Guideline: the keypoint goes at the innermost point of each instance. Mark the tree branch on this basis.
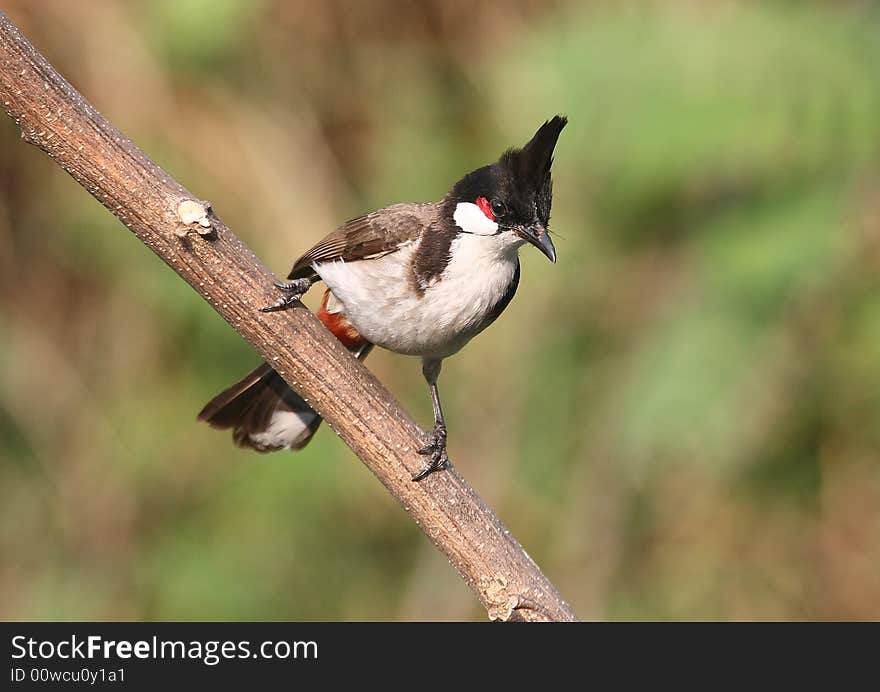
(187, 234)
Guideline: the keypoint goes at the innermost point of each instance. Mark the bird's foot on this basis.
(290, 293)
(436, 448)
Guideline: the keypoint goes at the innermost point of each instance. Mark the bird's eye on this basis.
(499, 208)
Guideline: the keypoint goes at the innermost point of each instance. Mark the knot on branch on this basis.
(193, 214)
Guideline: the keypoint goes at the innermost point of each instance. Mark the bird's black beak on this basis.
(538, 236)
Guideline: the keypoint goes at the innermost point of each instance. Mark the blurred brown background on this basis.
(681, 419)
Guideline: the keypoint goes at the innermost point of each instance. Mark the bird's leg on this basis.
(291, 291)
(436, 444)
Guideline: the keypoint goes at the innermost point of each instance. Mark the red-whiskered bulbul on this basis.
(417, 278)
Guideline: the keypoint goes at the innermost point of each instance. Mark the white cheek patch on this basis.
(471, 219)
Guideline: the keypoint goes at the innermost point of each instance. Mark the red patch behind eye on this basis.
(485, 207)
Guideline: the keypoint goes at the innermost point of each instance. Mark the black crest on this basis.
(521, 177)
(529, 167)
(531, 164)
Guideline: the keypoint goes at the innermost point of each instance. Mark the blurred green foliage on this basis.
(680, 419)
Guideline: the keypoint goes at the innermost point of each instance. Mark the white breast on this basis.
(381, 300)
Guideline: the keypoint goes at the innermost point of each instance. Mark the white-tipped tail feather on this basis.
(286, 430)
(264, 413)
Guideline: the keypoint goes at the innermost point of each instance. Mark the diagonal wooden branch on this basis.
(187, 234)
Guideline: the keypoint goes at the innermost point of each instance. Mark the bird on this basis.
(419, 279)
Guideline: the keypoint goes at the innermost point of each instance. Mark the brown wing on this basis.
(368, 237)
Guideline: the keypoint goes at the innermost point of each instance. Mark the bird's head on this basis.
(511, 198)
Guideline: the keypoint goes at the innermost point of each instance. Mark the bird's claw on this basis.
(436, 448)
(290, 293)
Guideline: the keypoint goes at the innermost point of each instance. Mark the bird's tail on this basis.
(263, 412)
